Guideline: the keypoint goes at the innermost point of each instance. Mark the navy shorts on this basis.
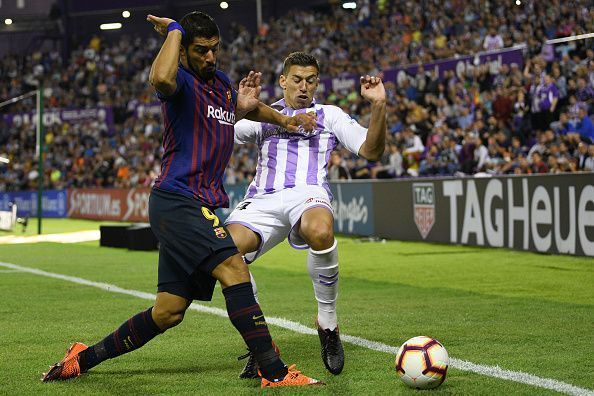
(192, 242)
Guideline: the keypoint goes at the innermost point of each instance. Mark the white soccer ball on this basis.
(422, 363)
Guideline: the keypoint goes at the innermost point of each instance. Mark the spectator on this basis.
(503, 106)
(361, 169)
(413, 150)
(538, 165)
(390, 165)
(582, 156)
(114, 74)
(585, 127)
(336, 169)
(584, 92)
(548, 97)
(493, 41)
(589, 163)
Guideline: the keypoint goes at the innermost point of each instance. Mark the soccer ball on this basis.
(422, 363)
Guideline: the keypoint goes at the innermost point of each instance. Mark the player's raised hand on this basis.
(159, 24)
(248, 95)
(300, 122)
(373, 89)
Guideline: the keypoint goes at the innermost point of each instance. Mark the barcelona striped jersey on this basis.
(198, 137)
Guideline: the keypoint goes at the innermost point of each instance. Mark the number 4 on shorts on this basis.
(243, 205)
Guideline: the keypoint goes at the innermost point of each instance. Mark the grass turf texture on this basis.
(521, 311)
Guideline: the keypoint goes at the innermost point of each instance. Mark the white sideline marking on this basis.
(490, 371)
(67, 237)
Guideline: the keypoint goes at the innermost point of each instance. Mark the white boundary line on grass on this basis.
(66, 237)
(491, 371)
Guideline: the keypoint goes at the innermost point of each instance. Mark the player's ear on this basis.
(282, 80)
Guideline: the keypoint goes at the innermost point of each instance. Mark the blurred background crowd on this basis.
(519, 119)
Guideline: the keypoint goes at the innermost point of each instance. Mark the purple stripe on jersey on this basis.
(256, 182)
(201, 129)
(292, 157)
(271, 165)
(206, 184)
(266, 126)
(314, 146)
(327, 188)
(216, 163)
(194, 181)
(331, 146)
(312, 166)
(226, 136)
(168, 143)
(292, 154)
(222, 160)
(251, 191)
(207, 152)
(320, 121)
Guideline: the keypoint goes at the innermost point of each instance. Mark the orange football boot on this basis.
(67, 367)
(293, 378)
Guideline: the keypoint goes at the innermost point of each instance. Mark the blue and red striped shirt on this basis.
(198, 137)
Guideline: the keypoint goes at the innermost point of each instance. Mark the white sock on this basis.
(323, 270)
(254, 287)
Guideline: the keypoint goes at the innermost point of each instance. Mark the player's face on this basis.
(201, 56)
(300, 85)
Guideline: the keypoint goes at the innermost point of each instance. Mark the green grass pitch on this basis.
(522, 312)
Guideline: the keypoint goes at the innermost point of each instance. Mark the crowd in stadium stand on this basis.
(518, 120)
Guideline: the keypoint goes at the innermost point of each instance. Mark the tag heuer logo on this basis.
(424, 206)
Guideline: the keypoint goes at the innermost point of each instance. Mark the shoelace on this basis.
(245, 356)
(293, 372)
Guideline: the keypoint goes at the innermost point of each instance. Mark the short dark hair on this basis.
(299, 59)
(198, 24)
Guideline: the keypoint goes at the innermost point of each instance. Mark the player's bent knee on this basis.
(319, 236)
(246, 240)
(232, 271)
(166, 318)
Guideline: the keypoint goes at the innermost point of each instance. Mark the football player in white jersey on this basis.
(290, 197)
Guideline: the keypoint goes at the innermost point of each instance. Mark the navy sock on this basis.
(248, 319)
(131, 335)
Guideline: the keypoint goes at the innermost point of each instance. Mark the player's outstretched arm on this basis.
(373, 90)
(164, 68)
(248, 94)
(249, 106)
(264, 113)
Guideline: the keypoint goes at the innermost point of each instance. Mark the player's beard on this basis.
(207, 73)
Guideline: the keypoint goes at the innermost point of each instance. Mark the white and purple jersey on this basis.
(288, 159)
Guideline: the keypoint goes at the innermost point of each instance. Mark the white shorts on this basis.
(274, 216)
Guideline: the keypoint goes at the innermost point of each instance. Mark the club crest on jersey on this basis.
(220, 232)
(223, 116)
(424, 207)
(228, 96)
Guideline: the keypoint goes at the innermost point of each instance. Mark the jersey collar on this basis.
(281, 104)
